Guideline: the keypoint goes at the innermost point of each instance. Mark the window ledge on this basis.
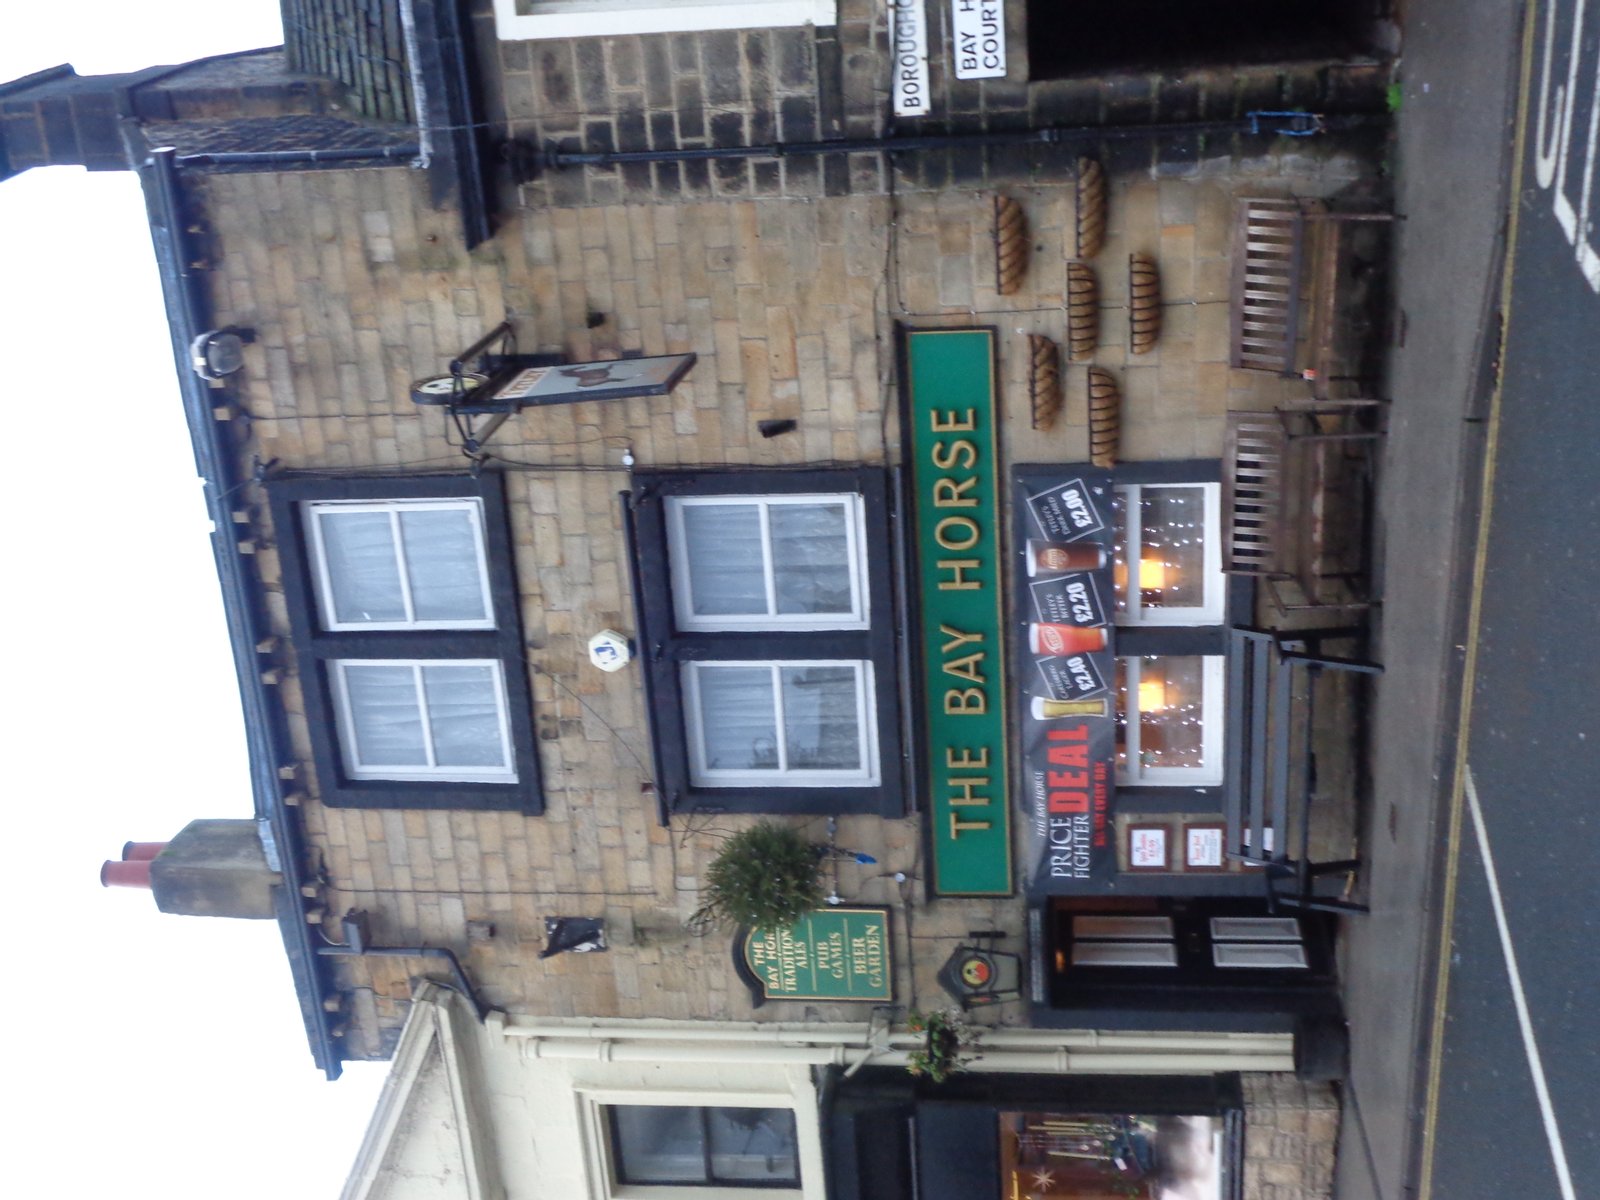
(609, 18)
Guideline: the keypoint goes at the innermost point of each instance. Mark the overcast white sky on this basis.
(151, 1055)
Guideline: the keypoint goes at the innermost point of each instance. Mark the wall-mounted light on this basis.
(218, 353)
(1152, 695)
(1152, 575)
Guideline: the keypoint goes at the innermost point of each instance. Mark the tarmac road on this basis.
(1513, 1103)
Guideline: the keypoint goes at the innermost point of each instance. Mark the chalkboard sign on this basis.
(841, 953)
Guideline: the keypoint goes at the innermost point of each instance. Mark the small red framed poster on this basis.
(1149, 848)
(1202, 847)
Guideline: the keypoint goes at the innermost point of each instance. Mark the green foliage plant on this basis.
(946, 1034)
(767, 877)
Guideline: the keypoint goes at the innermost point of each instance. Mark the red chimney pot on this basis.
(141, 851)
(135, 874)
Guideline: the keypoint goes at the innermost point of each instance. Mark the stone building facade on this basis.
(799, 283)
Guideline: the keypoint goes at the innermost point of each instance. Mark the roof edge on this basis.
(187, 315)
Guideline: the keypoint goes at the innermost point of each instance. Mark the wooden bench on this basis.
(1285, 259)
(1282, 490)
(1271, 766)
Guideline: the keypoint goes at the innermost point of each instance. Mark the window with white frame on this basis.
(768, 562)
(1169, 719)
(517, 20)
(423, 720)
(411, 564)
(806, 724)
(402, 605)
(694, 1146)
(765, 598)
(1167, 558)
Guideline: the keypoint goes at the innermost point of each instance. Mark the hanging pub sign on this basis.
(978, 38)
(949, 419)
(835, 953)
(1066, 674)
(908, 32)
(612, 379)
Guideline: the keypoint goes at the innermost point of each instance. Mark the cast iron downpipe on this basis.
(352, 155)
(355, 946)
(1288, 124)
(458, 973)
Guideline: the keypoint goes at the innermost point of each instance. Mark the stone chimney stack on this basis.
(215, 868)
(60, 118)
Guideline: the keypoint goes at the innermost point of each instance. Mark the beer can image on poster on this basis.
(1054, 558)
(1046, 638)
(1055, 710)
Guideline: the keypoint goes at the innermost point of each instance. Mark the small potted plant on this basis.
(766, 877)
(946, 1034)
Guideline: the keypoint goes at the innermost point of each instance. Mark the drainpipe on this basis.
(1289, 124)
(355, 925)
(458, 973)
(354, 155)
(981, 1057)
(851, 1046)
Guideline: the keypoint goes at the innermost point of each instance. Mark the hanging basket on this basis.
(1083, 311)
(1105, 418)
(1091, 195)
(1044, 380)
(1144, 302)
(946, 1035)
(1010, 245)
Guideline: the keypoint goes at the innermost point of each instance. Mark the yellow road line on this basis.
(1447, 909)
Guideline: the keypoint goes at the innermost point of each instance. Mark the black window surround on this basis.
(665, 647)
(318, 649)
(1142, 640)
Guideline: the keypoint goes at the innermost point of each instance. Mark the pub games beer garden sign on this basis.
(950, 430)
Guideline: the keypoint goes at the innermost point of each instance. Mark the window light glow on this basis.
(1152, 695)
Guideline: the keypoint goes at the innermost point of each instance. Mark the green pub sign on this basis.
(838, 953)
(952, 447)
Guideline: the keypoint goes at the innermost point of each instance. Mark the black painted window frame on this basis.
(316, 648)
(665, 647)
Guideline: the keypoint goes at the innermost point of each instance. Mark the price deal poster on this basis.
(1065, 672)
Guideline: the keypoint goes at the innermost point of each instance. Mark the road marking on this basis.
(1541, 1089)
(1469, 666)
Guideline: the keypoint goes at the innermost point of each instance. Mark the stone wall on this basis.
(1291, 1134)
(355, 286)
(738, 87)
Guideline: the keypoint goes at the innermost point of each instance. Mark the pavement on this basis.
(1460, 72)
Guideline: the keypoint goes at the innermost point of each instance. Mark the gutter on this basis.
(266, 740)
(301, 158)
(995, 1049)
(1287, 124)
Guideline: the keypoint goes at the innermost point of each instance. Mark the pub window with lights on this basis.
(1171, 604)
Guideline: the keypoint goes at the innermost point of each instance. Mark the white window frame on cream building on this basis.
(610, 18)
(595, 1132)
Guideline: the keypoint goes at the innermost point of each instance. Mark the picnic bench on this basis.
(1271, 762)
(1294, 501)
(1286, 256)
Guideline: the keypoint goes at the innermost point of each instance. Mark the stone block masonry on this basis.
(743, 87)
(355, 286)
